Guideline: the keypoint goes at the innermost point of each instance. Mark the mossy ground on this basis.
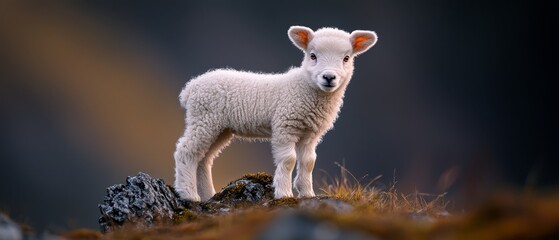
(233, 189)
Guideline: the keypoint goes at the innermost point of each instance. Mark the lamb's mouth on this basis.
(327, 87)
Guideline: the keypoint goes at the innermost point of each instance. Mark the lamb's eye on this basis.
(346, 58)
(313, 57)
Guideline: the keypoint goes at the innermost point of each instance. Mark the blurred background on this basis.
(457, 96)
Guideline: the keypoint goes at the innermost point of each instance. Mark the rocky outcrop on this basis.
(141, 200)
(249, 190)
(144, 200)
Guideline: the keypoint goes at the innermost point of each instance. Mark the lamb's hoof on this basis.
(306, 195)
(192, 199)
(279, 195)
(188, 197)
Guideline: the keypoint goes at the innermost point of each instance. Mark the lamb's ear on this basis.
(300, 36)
(361, 40)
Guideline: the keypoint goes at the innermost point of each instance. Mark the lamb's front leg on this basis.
(284, 158)
(306, 157)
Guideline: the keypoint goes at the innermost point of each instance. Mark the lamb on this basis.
(292, 110)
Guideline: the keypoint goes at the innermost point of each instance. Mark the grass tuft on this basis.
(364, 196)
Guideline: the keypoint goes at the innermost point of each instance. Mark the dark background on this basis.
(457, 96)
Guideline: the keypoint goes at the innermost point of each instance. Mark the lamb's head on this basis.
(329, 53)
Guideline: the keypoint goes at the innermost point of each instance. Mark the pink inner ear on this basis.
(303, 38)
(358, 42)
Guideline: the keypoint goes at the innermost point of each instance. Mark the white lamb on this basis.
(293, 110)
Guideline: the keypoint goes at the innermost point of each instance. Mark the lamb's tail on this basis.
(183, 96)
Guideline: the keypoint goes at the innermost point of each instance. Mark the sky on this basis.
(456, 96)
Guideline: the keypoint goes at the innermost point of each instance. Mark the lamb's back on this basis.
(241, 100)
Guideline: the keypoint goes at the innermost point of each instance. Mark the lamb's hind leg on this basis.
(306, 157)
(191, 149)
(205, 184)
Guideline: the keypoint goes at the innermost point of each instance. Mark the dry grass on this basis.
(347, 187)
(365, 197)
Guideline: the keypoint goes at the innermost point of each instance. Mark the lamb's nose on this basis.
(329, 77)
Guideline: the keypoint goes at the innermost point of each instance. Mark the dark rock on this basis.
(141, 200)
(248, 190)
(8, 229)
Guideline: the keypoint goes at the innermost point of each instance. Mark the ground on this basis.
(346, 209)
